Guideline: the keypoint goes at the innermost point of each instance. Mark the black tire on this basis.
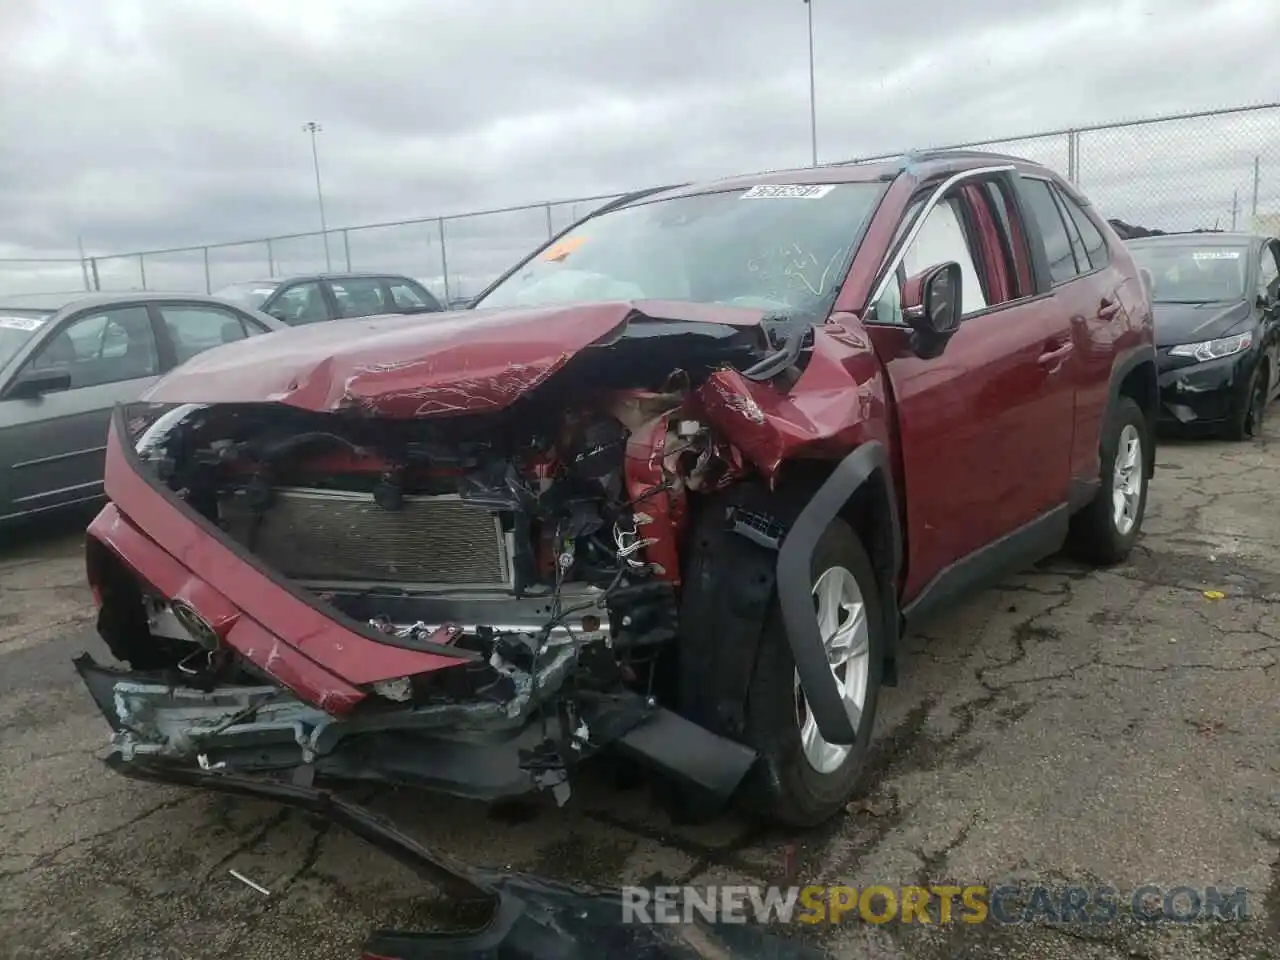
(785, 787)
(1094, 536)
(1246, 421)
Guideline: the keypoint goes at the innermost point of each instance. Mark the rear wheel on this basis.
(804, 780)
(1105, 531)
(1247, 421)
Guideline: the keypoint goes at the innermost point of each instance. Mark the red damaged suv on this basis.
(673, 487)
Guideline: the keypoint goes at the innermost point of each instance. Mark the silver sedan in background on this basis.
(62, 371)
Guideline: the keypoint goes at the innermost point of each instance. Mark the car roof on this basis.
(353, 275)
(141, 296)
(921, 164)
(90, 300)
(1200, 239)
(27, 311)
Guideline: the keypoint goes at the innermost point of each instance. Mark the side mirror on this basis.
(931, 306)
(36, 383)
(278, 314)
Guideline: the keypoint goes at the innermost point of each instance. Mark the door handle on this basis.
(1056, 353)
(1108, 308)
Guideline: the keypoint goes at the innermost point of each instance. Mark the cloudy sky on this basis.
(139, 124)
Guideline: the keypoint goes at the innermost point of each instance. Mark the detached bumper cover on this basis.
(530, 918)
(482, 750)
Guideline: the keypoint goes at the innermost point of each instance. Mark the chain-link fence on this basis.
(31, 281)
(1216, 170)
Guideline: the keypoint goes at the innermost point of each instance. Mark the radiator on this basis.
(309, 534)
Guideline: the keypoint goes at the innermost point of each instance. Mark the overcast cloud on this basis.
(137, 124)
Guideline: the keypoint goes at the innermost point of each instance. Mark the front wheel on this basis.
(1105, 531)
(1247, 421)
(802, 779)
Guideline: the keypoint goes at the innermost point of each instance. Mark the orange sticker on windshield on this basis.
(558, 251)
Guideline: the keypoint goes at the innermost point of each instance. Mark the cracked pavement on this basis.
(1070, 727)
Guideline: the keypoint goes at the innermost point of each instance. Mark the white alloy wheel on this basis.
(1126, 481)
(842, 622)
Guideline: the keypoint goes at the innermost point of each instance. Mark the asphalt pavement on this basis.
(1071, 728)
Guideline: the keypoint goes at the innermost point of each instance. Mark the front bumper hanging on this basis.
(480, 750)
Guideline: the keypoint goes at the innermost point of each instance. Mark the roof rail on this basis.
(920, 156)
(910, 158)
(633, 196)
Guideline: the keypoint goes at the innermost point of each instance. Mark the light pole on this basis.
(313, 128)
(813, 106)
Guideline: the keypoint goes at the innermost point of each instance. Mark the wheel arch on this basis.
(860, 490)
(1135, 377)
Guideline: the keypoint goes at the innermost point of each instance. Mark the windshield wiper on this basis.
(787, 353)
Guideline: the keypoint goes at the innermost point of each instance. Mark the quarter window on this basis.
(1095, 247)
(1073, 235)
(194, 328)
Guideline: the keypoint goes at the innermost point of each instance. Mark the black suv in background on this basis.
(332, 296)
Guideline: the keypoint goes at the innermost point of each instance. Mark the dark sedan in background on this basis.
(332, 296)
(62, 371)
(1216, 298)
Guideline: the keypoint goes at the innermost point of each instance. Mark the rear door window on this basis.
(195, 328)
(360, 297)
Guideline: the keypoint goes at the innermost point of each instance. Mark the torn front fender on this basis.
(835, 405)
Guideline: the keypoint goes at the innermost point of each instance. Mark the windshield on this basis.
(252, 294)
(16, 328)
(1189, 273)
(783, 249)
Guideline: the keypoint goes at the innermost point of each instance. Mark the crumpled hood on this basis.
(420, 365)
(1193, 322)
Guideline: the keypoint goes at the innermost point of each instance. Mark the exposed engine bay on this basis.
(494, 534)
(540, 544)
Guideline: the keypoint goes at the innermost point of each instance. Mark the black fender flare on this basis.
(795, 557)
(1125, 365)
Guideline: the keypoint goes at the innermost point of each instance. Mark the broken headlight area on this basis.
(540, 544)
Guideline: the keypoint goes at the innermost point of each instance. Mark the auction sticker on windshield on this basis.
(21, 323)
(1216, 255)
(558, 251)
(788, 191)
